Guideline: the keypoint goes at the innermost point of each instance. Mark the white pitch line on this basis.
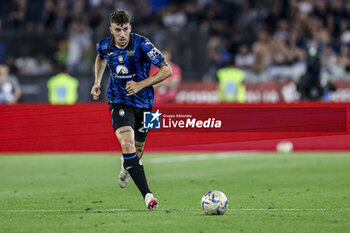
(335, 209)
(186, 158)
(140, 210)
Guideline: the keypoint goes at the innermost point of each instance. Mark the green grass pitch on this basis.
(267, 192)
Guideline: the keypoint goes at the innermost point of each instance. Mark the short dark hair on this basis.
(119, 17)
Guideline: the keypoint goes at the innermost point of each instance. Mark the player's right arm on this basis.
(100, 66)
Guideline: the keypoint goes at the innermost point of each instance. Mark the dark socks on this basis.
(137, 173)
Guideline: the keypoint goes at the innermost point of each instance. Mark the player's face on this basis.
(121, 33)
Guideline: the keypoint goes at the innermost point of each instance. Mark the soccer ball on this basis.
(284, 147)
(214, 203)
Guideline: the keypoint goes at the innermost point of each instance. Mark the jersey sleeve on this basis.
(152, 53)
(99, 49)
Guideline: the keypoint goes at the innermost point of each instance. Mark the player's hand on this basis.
(132, 87)
(96, 91)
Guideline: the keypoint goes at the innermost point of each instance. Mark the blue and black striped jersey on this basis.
(131, 63)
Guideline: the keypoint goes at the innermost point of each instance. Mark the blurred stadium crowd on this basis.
(269, 39)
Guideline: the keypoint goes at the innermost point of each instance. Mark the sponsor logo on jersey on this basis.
(122, 72)
(153, 54)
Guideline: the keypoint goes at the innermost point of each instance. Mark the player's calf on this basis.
(134, 167)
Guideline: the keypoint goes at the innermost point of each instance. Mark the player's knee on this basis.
(127, 146)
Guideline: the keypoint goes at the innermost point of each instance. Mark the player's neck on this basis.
(121, 47)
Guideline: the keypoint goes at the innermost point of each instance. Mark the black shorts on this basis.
(124, 115)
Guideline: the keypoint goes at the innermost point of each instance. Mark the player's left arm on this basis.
(156, 58)
(164, 72)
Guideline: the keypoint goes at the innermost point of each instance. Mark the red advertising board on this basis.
(87, 127)
(259, 92)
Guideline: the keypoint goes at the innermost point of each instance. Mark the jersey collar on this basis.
(111, 43)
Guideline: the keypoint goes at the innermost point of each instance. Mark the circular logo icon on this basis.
(121, 112)
(122, 70)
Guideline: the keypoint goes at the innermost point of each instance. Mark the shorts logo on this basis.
(121, 112)
(151, 120)
(143, 130)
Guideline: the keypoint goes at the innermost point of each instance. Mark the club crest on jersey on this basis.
(120, 59)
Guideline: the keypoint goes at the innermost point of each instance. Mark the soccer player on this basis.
(129, 57)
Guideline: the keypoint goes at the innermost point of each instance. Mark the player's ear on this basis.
(130, 27)
(111, 29)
